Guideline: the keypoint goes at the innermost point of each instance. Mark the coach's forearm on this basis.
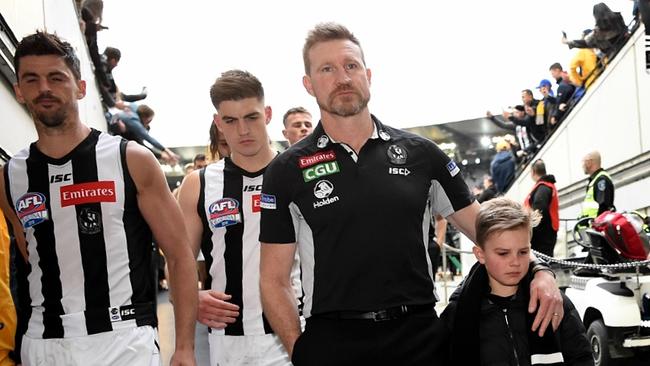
(281, 310)
(184, 294)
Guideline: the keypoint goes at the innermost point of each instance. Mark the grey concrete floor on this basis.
(166, 333)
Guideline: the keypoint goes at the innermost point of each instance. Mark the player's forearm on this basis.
(281, 310)
(183, 286)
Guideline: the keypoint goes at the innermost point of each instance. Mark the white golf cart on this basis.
(612, 296)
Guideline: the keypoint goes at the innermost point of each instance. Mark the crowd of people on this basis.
(534, 120)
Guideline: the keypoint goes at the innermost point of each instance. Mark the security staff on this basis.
(543, 198)
(600, 189)
(364, 191)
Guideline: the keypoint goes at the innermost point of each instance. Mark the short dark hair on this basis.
(112, 52)
(528, 91)
(556, 66)
(324, 32)
(235, 85)
(293, 110)
(199, 157)
(43, 44)
(538, 167)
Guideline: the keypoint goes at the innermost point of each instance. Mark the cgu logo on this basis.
(320, 170)
(58, 178)
(253, 188)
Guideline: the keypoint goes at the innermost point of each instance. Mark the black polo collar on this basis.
(322, 140)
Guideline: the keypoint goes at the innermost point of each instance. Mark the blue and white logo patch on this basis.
(31, 209)
(601, 185)
(453, 168)
(267, 201)
(224, 212)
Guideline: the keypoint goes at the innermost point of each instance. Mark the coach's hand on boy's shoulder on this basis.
(544, 290)
(214, 309)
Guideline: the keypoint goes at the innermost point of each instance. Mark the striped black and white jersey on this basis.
(89, 246)
(229, 207)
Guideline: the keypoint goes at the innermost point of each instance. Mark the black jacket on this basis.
(479, 334)
(544, 236)
(488, 194)
(565, 91)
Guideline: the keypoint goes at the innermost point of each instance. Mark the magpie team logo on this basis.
(224, 212)
(322, 141)
(397, 154)
(31, 209)
(90, 221)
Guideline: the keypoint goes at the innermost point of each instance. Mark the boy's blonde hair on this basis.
(503, 214)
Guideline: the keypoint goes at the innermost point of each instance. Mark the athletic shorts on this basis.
(255, 350)
(131, 346)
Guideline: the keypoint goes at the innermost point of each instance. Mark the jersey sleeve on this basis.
(276, 223)
(449, 193)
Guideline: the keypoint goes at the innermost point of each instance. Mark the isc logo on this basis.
(127, 312)
(253, 188)
(58, 178)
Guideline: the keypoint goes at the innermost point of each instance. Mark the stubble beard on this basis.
(345, 108)
(52, 120)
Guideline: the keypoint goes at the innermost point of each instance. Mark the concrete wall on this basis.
(58, 16)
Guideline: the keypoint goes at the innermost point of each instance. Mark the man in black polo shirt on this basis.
(362, 194)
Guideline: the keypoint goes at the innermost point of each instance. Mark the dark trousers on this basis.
(409, 341)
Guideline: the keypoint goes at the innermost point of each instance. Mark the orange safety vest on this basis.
(554, 209)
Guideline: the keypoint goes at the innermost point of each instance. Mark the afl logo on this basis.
(224, 212)
(31, 209)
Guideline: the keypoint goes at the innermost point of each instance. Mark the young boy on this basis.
(488, 319)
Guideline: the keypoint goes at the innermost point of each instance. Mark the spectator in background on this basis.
(219, 148)
(583, 65)
(133, 124)
(502, 168)
(91, 15)
(477, 190)
(200, 161)
(519, 125)
(544, 110)
(489, 190)
(644, 12)
(609, 32)
(543, 198)
(111, 95)
(297, 124)
(564, 93)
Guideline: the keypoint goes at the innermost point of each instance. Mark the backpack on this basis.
(624, 233)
